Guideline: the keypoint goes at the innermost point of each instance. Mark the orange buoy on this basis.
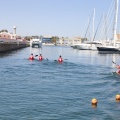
(94, 101)
(118, 97)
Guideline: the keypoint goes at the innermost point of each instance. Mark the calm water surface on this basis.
(47, 90)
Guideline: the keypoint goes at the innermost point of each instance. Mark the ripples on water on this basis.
(47, 90)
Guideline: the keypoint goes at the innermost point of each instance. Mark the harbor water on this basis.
(47, 90)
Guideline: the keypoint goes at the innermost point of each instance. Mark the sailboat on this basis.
(115, 47)
(90, 45)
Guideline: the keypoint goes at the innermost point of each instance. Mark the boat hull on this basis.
(88, 45)
(108, 50)
(83, 47)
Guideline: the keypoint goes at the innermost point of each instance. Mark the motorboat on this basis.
(36, 43)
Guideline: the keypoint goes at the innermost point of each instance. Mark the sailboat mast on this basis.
(115, 20)
(93, 24)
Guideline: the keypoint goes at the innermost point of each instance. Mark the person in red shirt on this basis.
(60, 59)
(40, 57)
(31, 57)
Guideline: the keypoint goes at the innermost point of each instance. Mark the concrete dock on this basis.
(12, 45)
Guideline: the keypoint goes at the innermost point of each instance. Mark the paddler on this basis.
(60, 59)
(118, 72)
(31, 57)
(40, 57)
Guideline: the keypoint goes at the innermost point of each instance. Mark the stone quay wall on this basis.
(12, 46)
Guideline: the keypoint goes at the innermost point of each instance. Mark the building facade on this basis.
(46, 39)
(7, 35)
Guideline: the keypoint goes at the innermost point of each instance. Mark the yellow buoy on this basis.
(118, 97)
(94, 101)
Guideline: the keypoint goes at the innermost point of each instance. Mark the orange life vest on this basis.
(118, 67)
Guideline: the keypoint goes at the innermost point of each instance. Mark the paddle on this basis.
(36, 55)
(115, 63)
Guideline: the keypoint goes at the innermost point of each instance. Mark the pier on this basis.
(12, 45)
(10, 41)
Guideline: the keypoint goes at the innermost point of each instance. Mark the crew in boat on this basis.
(60, 59)
(40, 57)
(31, 57)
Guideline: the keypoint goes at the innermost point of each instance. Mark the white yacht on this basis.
(89, 45)
(83, 46)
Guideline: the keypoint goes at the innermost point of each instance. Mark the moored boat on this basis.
(108, 49)
(115, 47)
(36, 43)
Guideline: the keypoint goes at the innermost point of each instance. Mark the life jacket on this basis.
(60, 60)
(31, 57)
(118, 67)
(118, 72)
(40, 58)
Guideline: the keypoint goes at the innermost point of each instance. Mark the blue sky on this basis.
(63, 18)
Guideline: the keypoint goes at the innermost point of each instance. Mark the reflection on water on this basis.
(8, 53)
(35, 51)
